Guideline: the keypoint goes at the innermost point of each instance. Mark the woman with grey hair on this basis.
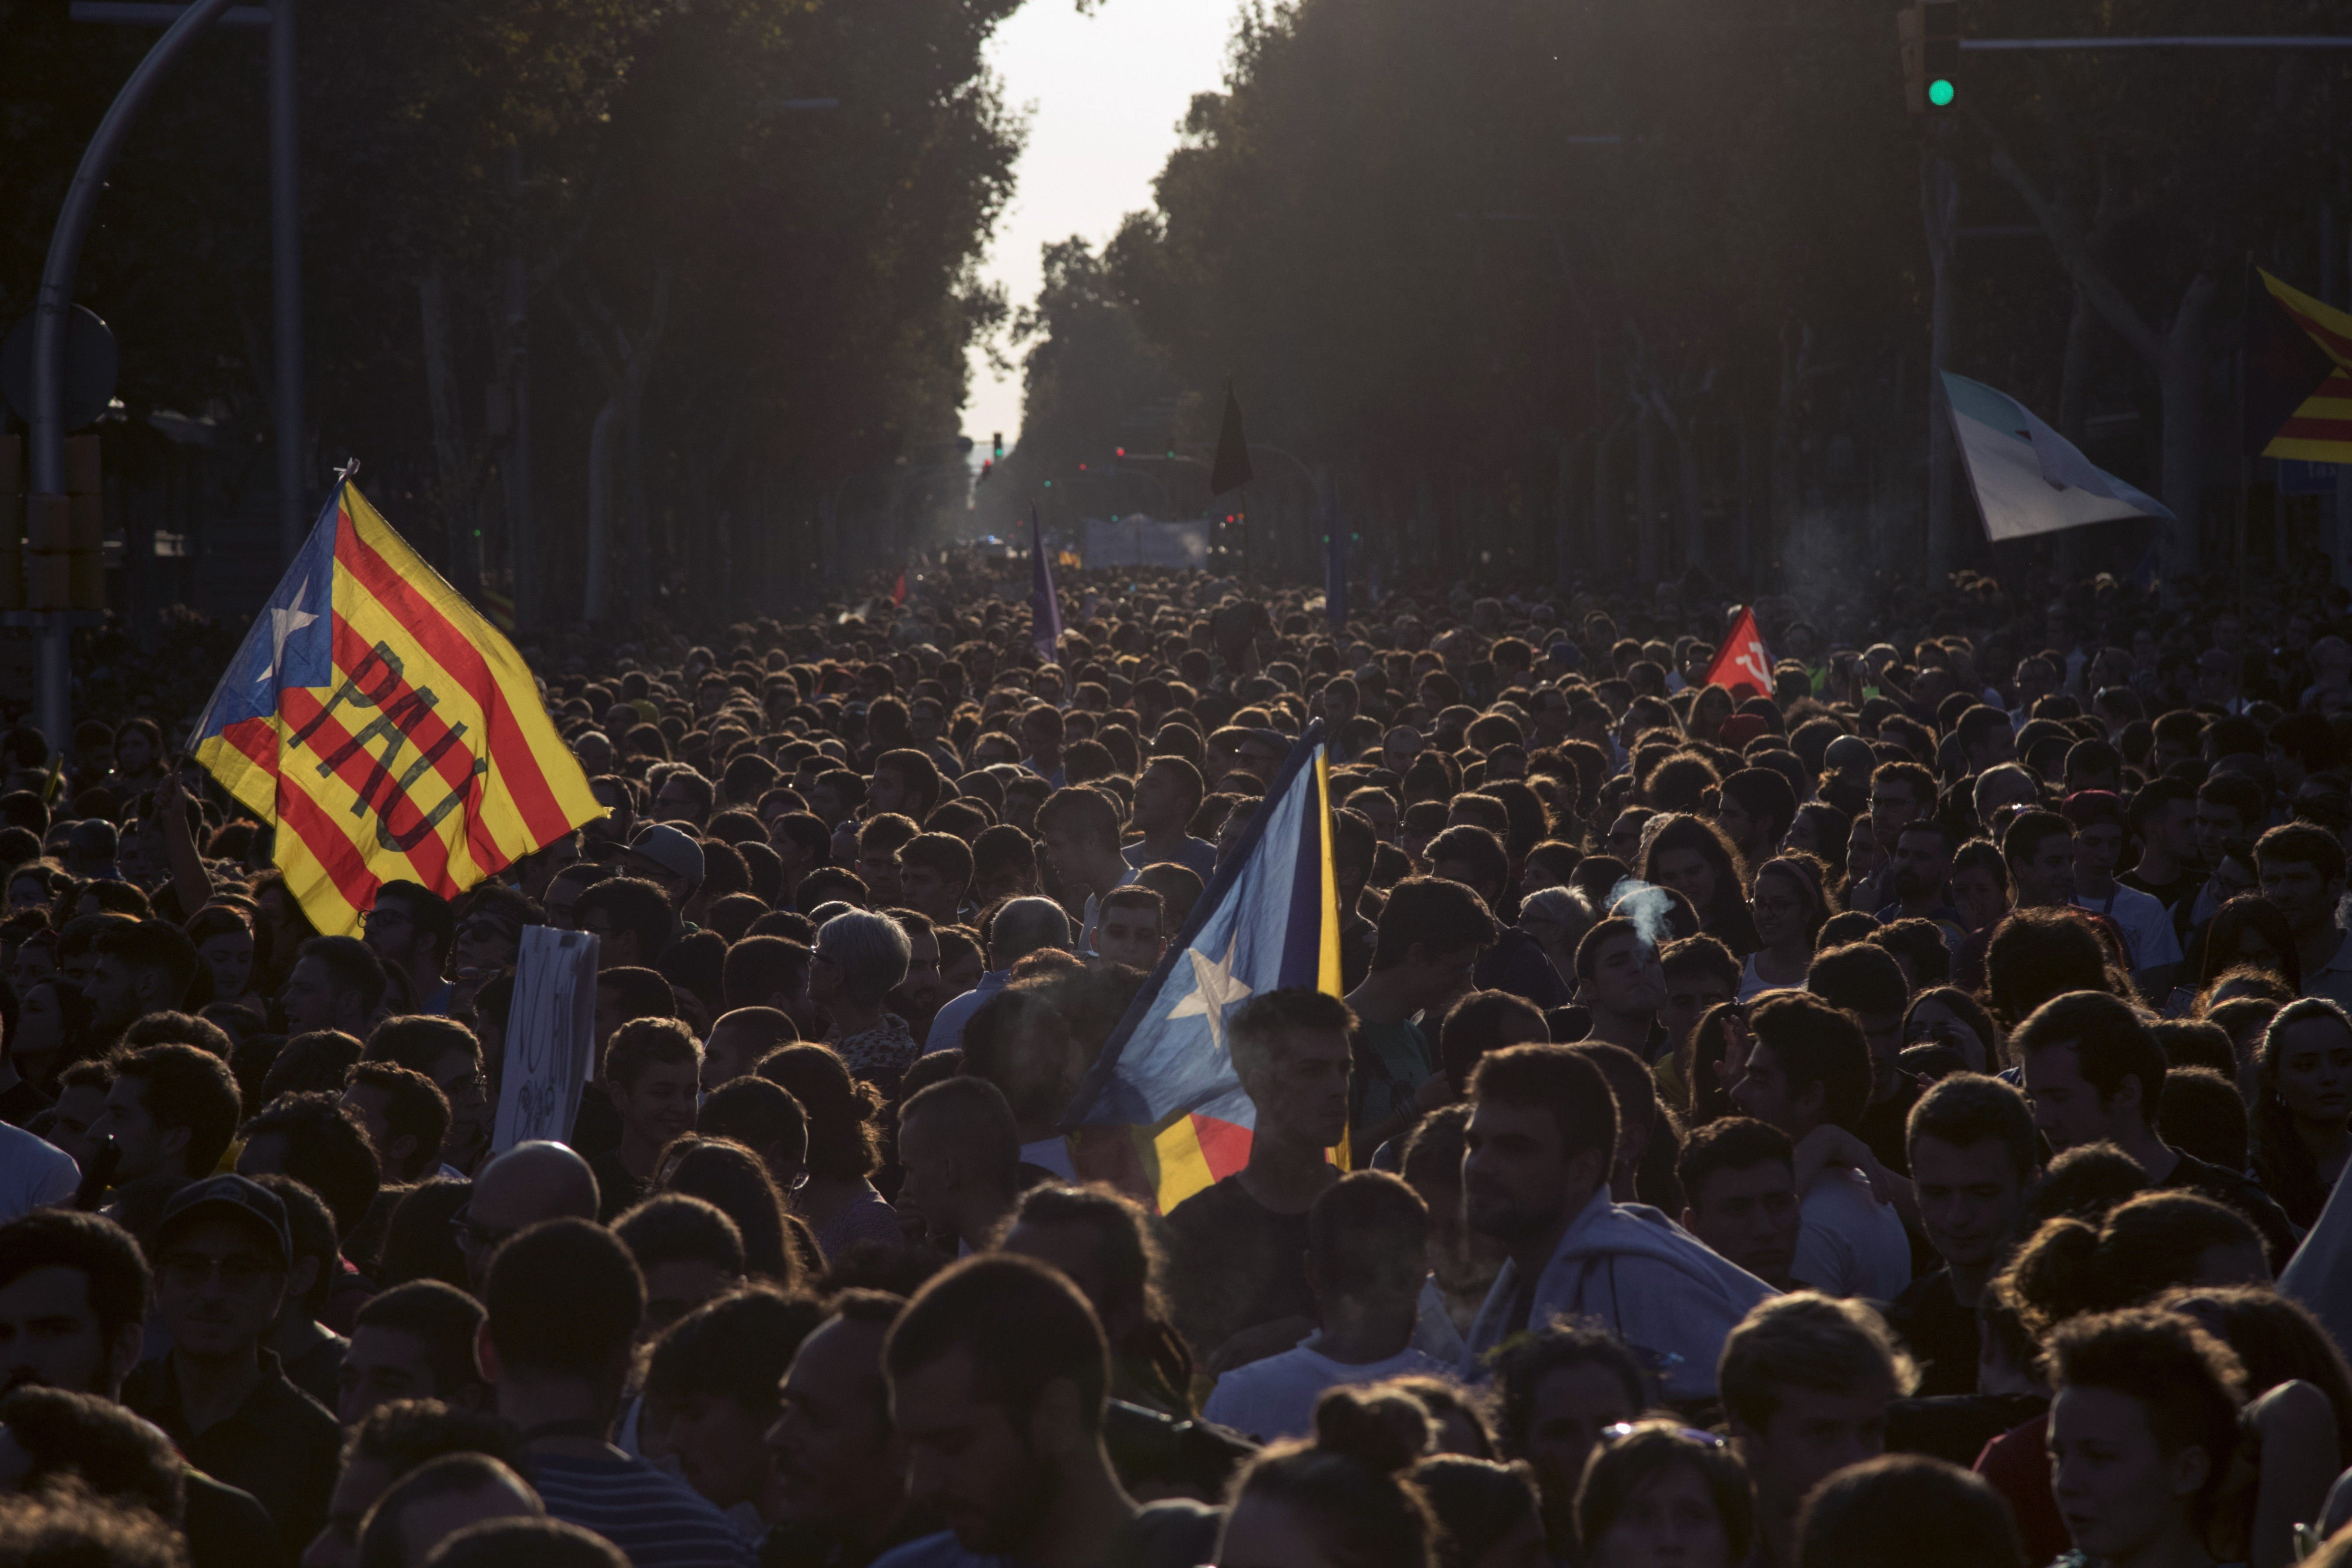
(1557, 918)
(860, 959)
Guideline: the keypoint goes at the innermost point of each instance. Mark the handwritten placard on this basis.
(551, 1036)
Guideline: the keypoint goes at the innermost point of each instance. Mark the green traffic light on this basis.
(1941, 92)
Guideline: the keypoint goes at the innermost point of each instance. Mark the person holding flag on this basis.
(1742, 666)
(385, 728)
(1232, 1065)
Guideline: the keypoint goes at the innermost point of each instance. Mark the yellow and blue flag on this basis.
(385, 728)
(1268, 920)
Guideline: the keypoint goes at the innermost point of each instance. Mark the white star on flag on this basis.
(1213, 990)
(284, 623)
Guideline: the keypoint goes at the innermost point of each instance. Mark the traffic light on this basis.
(1930, 31)
(997, 442)
(1941, 30)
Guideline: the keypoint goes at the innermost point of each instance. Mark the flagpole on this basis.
(2245, 461)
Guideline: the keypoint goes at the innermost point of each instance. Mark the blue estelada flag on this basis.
(1044, 609)
(1268, 920)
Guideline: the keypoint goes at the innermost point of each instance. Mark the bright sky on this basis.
(1104, 95)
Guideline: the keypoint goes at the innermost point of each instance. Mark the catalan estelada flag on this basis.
(2299, 392)
(384, 727)
(1268, 921)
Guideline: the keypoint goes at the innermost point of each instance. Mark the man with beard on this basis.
(1923, 871)
(73, 1291)
(841, 1471)
(998, 1373)
(1535, 1176)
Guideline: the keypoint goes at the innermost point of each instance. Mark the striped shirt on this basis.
(657, 1520)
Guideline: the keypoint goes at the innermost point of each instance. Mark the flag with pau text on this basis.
(1268, 920)
(1742, 661)
(384, 727)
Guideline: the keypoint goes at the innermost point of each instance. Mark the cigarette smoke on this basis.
(1645, 904)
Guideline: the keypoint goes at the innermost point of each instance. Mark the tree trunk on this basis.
(2174, 356)
(600, 506)
(1693, 498)
(1602, 540)
(464, 561)
(1563, 509)
(1645, 496)
(1941, 199)
(2182, 373)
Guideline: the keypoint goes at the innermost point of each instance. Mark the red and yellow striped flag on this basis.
(2299, 376)
(384, 727)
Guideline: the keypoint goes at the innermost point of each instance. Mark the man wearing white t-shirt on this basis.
(33, 1173)
(1367, 1254)
(1808, 1069)
(2098, 819)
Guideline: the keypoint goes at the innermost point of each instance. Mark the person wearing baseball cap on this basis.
(223, 1252)
(666, 857)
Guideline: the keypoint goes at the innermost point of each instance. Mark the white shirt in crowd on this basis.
(2146, 924)
(33, 1173)
(1851, 1244)
(1276, 1397)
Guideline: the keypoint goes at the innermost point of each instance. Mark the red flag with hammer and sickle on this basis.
(1742, 666)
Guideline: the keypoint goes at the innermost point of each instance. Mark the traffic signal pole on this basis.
(53, 689)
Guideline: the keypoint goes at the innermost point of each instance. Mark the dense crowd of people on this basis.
(1855, 1124)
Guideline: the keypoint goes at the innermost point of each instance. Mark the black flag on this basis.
(1232, 468)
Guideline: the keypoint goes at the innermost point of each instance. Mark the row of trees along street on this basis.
(1573, 284)
(618, 301)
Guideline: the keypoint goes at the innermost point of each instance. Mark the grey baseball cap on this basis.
(223, 1194)
(669, 849)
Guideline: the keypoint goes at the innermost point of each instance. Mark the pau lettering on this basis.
(376, 685)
